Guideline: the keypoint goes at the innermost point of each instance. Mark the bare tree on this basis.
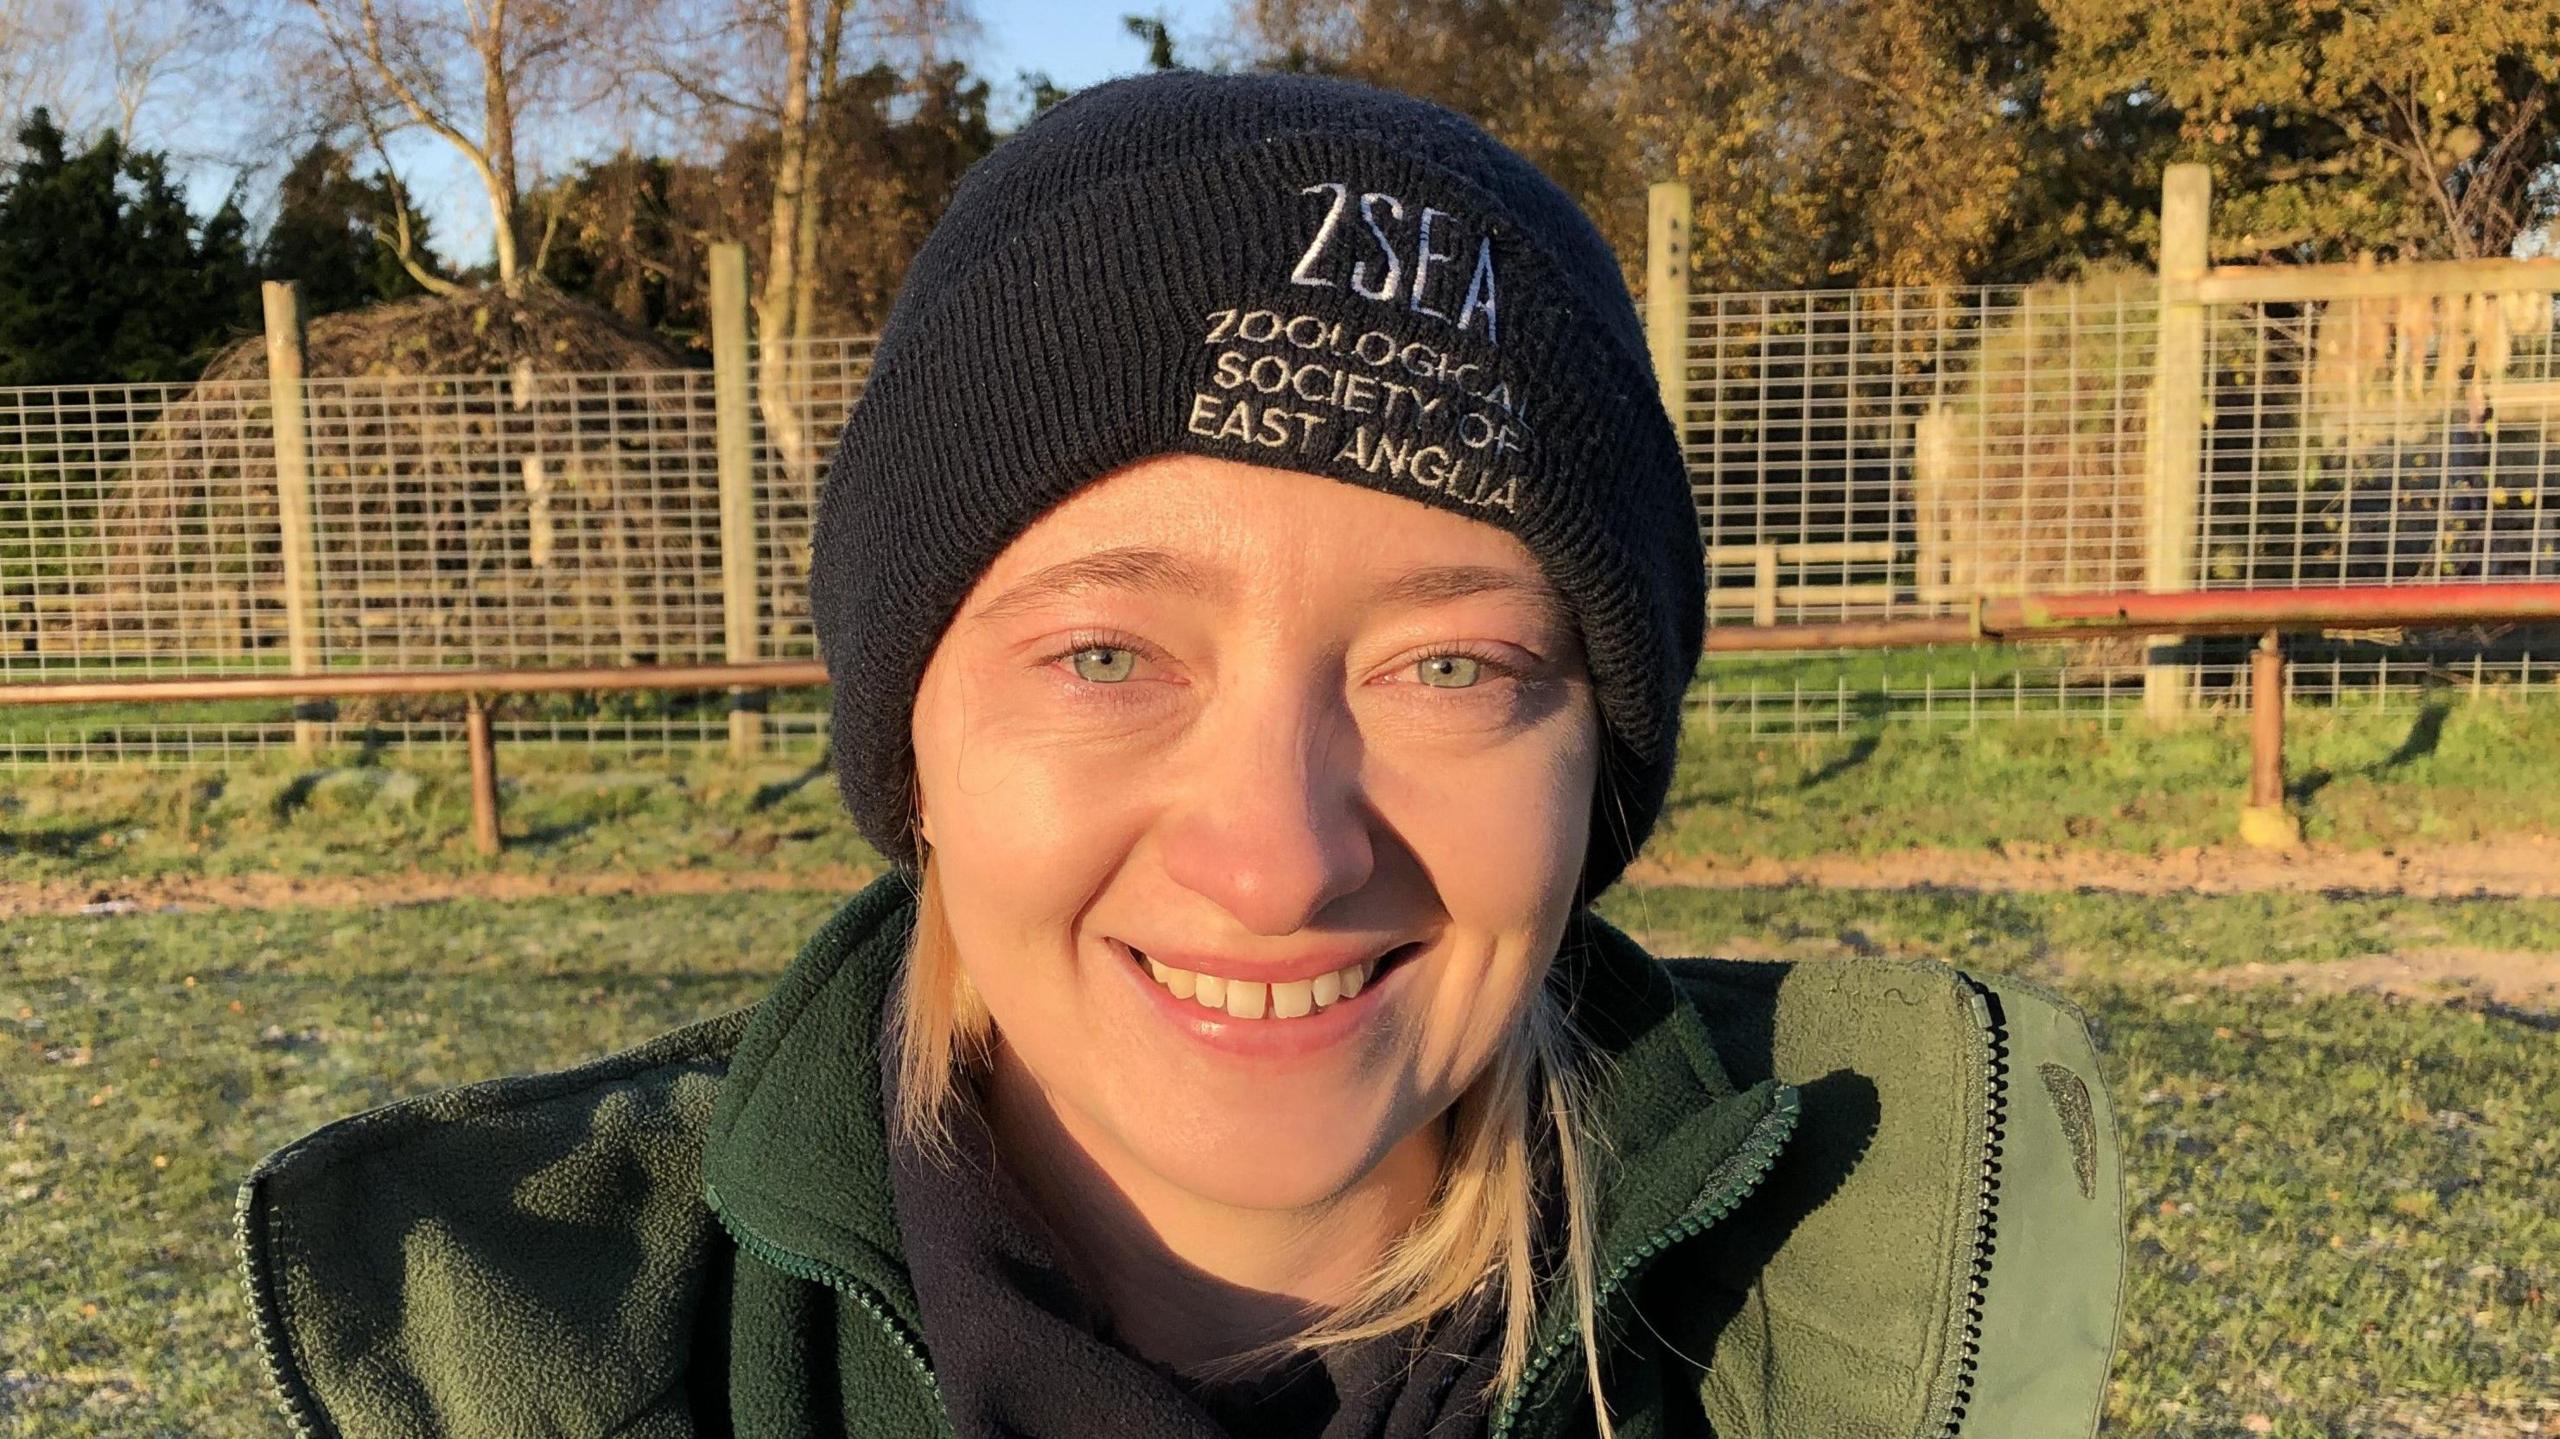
(151, 47)
(469, 72)
(100, 64)
(32, 34)
(782, 65)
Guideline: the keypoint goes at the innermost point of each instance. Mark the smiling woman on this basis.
(1250, 850)
(1258, 584)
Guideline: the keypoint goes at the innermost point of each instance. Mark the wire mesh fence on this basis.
(1853, 454)
(454, 520)
(820, 379)
(1880, 454)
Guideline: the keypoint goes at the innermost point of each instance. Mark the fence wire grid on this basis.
(1889, 453)
(1853, 454)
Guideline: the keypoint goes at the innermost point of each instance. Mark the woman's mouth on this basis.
(1254, 999)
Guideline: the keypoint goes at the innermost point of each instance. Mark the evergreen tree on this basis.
(328, 234)
(105, 275)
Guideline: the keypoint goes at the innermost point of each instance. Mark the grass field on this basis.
(2341, 1204)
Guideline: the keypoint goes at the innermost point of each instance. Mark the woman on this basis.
(1259, 583)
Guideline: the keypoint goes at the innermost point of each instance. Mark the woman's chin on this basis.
(1249, 1162)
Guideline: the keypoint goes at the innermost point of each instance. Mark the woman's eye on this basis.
(1120, 661)
(1111, 664)
(1451, 671)
(1464, 670)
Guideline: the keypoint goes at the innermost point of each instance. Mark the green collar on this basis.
(797, 1159)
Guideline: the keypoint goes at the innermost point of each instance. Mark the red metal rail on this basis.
(2267, 613)
(774, 674)
(2115, 612)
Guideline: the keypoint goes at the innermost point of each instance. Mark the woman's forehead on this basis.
(1221, 535)
(1206, 527)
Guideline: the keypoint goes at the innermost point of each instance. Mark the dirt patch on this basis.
(180, 893)
(2456, 1418)
(2519, 981)
(2519, 866)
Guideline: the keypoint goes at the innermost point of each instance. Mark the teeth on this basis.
(1245, 998)
(1180, 981)
(1252, 999)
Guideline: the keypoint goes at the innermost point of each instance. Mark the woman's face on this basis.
(1260, 727)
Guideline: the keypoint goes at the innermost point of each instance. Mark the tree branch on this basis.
(403, 243)
(550, 226)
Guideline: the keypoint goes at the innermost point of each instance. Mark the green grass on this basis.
(60, 725)
(2126, 937)
(2357, 779)
(565, 809)
(153, 1058)
(2340, 1207)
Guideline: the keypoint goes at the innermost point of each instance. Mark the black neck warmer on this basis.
(1021, 1353)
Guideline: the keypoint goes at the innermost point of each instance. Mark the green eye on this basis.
(1461, 669)
(1116, 672)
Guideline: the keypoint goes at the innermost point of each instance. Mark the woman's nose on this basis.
(1273, 823)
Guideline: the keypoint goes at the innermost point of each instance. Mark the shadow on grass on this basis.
(1871, 713)
(2301, 791)
(2422, 739)
(291, 800)
(2425, 734)
(58, 843)
(2535, 1019)
(553, 833)
(767, 796)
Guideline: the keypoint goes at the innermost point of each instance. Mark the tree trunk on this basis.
(498, 137)
(804, 289)
(778, 363)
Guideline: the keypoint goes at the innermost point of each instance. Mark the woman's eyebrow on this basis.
(1135, 567)
(1141, 567)
(1442, 583)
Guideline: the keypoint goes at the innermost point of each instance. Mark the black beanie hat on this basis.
(1287, 270)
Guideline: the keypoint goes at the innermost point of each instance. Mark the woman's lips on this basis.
(1254, 1017)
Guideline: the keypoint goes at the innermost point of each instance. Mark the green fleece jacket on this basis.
(1846, 1198)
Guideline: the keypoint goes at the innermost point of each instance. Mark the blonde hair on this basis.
(1516, 1133)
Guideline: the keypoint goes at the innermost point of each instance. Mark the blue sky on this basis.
(1081, 41)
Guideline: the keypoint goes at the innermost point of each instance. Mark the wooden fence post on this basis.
(2175, 471)
(483, 742)
(1666, 298)
(734, 411)
(293, 493)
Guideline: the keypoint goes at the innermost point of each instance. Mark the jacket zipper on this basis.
(802, 1267)
(1759, 1154)
(301, 1410)
(1995, 1119)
